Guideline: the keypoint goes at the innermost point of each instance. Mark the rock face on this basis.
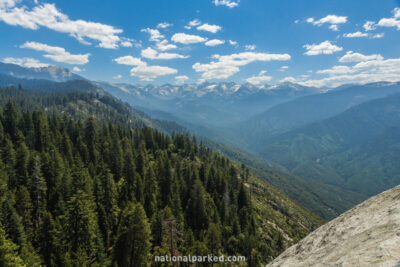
(367, 235)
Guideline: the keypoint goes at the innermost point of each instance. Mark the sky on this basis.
(323, 43)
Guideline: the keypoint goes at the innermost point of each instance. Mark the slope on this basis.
(345, 150)
(308, 109)
(367, 235)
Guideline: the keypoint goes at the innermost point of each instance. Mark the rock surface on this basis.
(367, 235)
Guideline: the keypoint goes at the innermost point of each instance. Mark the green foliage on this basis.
(96, 191)
(9, 252)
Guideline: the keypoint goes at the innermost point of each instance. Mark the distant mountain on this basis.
(308, 109)
(48, 85)
(357, 150)
(367, 235)
(208, 104)
(53, 73)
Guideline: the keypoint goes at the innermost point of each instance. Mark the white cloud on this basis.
(155, 34)
(396, 12)
(369, 25)
(8, 3)
(153, 54)
(142, 70)
(337, 70)
(58, 54)
(47, 15)
(149, 73)
(77, 69)
(165, 46)
(209, 28)
(225, 66)
(260, 78)
(184, 38)
(228, 3)
(192, 24)
(323, 48)
(363, 72)
(181, 79)
(214, 42)
(129, 60)
(233, 42)
(333, 20)
(378, 35)
(393, 21)
(357, 57)
(250, 47)
(25, 62)
(334, 27)
(289, 79)
(126, 44)
(355, 35)
(389, 22)
(164, 25)
(283, 68)
(119, 76)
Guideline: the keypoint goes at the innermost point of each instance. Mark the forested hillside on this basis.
(356, 150)
(80, 186)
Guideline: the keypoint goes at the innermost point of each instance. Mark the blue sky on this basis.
(315, 43)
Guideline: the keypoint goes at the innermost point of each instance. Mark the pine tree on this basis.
(82, 233)
(133, 242)
(9, 252)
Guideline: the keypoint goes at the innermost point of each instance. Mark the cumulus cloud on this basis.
(323, 48)
(333, 20)
(224, 67)
(209, 28)
(118, 76)
(142, 70)
(25, 62)
(336, 70)
(260, 78)
(184, 38)
(58, 54)
(47, 15)
(77, 69)
(129, 60)
(164, 25)
(214, 42)
(355, 35)
(155, 34)
(8, 3)
(250, 47)
(362, 72)
(233, 42)
(181, 79)
(165, 46)
(126, 44)
(228, 3)
(149, 73)
(289, 79)
(357, 57)
(391, 22)
(193, 23)
(378, 35)
(153, 54)
(369, 26)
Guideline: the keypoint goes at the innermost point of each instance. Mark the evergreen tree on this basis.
(133, 243)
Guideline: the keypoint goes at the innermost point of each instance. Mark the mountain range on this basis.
(320, 140)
